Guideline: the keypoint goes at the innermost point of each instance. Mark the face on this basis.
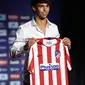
(42, 10)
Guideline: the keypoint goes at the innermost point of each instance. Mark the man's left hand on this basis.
(67, 42)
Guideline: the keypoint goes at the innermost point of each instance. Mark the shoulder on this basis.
(53, 24)
(23, 27)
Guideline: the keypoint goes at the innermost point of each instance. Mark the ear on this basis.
(33, 8)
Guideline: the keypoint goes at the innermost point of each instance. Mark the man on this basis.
(38, 27)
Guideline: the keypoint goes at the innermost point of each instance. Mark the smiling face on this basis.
(41, 10)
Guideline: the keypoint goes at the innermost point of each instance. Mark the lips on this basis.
(44, 14)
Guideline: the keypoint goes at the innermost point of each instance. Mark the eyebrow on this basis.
(42, 4)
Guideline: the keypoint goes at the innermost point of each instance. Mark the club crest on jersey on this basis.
(51, 66)
(57, 53)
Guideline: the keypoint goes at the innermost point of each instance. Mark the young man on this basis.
(38, 27)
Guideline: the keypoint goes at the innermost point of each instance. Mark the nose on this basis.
(45, 8)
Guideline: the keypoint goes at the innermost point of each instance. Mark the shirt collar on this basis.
(34, 23)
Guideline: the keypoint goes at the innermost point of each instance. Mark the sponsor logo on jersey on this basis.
(49, 42)
(51, 66)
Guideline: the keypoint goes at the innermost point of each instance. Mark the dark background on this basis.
(70, 25)
(66, 14)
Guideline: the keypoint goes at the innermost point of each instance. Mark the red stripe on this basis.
(68, 57)
(40, 59)
(66, 72)
(33, 78)
(49, 61)
(33, 74)
(31, 66)
(58, 72)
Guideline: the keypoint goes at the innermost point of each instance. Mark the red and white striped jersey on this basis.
(49, 62)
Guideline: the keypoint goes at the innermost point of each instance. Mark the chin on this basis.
(43, 17)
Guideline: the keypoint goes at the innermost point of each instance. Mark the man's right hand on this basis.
(29, 43)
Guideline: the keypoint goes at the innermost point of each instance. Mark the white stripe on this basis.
(44, 52)
(67, 51)
(31, 79)
(36, 65)
(69, 66)
(54, 61)
(30, 57)
(62, 64)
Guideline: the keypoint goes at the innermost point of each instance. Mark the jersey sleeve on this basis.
(68, 59)
(31, 61)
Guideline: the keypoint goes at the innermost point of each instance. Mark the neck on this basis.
(40, 22)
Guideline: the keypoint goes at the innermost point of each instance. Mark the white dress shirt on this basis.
(31, 30)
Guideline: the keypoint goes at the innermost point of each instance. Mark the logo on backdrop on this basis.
(15, 83)
(3, 76)
(3, 32)
(13, 17)
(13, 25)
(2, 17)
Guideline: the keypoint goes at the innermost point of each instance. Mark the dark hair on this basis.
(34, 2)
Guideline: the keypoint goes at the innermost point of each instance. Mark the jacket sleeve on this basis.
(16, 49)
